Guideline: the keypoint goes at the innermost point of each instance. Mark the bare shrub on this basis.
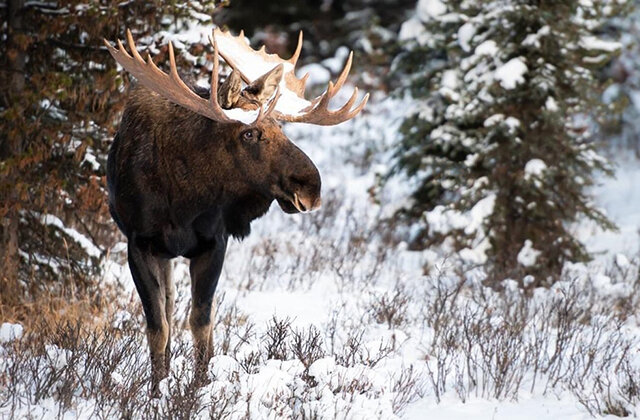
(409, 386)
(307, 345)
(390, 308)
(276, 339)
(231, 328)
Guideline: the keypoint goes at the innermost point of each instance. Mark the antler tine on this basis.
(169, 85)
(318, 112)
(294, 58)
(213, 98)
(132, 46)
(343, 76)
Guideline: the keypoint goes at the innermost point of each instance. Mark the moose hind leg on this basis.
(205, 270)
(148, 274)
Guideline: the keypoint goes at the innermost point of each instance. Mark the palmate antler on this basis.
(173, 88)
(250, 64)
(294, 107)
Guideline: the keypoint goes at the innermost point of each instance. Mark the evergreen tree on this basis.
(60, 100)
(499, 148)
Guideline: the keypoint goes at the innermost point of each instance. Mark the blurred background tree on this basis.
(369, 27)
(60, 100)
(501, 143)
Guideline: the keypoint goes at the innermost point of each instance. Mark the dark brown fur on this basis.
(179, 185)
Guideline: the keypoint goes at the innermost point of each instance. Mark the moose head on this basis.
(190, 167)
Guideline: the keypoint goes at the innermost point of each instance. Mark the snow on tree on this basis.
(499, 149)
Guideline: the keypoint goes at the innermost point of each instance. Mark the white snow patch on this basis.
(318, 74)
(10, 332)
(534, 168)
(479, 213)
(336, 63)
(488, 47)
(494, 120)
(595, 43)
(465, 34)
(511, 74)
(412, 29)
(622, 261)
(512, 123)
(450, 79)
(528, 255)
(551, 104)
(428, 9)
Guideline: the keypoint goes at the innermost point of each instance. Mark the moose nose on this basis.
(306, 204)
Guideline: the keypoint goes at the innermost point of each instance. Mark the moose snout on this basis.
(306, 203)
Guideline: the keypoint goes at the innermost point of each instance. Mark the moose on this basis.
(190, 167)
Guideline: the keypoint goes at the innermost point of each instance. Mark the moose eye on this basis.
(251, 135)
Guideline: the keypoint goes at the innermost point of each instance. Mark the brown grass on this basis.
(93, 307)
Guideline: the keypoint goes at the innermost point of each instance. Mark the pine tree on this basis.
(60, 99)
(500, 147)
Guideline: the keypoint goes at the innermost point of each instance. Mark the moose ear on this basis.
(229, 91)
(263, 87)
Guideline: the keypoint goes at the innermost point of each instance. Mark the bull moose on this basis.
(190, 166)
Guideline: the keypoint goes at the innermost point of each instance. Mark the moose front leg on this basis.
(151, 276)
(205, 270)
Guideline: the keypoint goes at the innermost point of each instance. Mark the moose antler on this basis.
(294, 107)
(173, 88)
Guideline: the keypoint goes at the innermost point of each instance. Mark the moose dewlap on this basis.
(189, 167)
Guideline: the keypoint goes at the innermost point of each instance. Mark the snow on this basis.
(83, 241)
(526, 408)
(551, 104)
(336, 63)
(479, 213)
(595, 43)
(534, 168)
(450, 79)
(411, 29)
(427, 9)
(622, 261)
(10, 332)
(465, 33)
(533, 40)
(511, 74)
(318, 74)
(528, 255)
(488, 47)
(493, 120)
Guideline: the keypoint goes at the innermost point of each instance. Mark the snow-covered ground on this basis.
(367, 329)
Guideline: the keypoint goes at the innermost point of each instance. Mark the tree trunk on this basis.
(9, 246)
(17, 61)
